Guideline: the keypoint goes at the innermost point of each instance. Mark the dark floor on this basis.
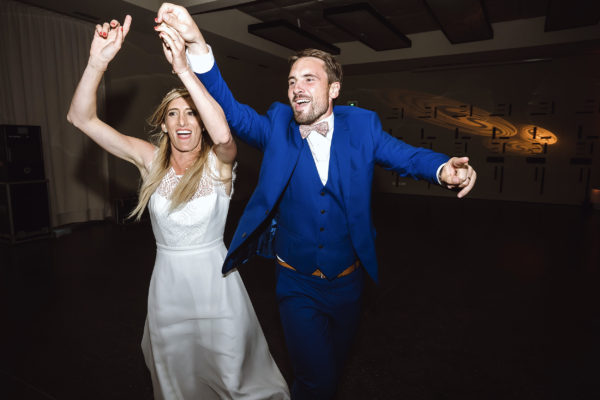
(477, 300)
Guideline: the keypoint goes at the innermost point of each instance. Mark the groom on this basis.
(311, 209)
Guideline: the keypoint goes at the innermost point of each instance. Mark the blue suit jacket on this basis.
(361, 144)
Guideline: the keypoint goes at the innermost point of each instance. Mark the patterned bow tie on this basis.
(321, 128)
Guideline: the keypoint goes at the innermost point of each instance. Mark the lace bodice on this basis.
(200, 220)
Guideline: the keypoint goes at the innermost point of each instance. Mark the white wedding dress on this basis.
(202, 339)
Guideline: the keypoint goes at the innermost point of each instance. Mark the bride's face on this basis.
(183, 126)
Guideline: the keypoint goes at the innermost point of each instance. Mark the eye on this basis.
(191, 112)
(291, 83)
(172, 113)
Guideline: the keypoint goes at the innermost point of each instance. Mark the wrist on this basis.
(96, 65)
(201, 63)
(180, 72)
(197, 48)
(439, 174)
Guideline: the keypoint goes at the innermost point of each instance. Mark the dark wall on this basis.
(531, 129)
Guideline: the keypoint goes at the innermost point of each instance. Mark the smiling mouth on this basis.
(183, 132)
(301, 102)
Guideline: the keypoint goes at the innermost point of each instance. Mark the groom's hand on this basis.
(458, 174)
(178, 18)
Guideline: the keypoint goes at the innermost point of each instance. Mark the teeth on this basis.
(302, 101)
(183, 132)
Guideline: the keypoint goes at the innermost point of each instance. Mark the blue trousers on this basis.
(319, 319)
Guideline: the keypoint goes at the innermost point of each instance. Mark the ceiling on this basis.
(377, 35)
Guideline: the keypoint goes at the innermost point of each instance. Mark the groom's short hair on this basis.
(332, 66)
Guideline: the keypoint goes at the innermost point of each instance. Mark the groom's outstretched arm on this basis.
(453, 173)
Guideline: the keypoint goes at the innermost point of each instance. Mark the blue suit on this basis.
(319, 316)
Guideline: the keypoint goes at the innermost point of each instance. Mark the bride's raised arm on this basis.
(210, 111)
(107, 41)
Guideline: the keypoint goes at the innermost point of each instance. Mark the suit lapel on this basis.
(342, 147)
(295, 138)
(295, 145)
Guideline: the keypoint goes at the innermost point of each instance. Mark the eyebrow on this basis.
(303, 76)
(177, 109)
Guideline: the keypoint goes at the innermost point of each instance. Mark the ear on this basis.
(334, 90)
(163, 127)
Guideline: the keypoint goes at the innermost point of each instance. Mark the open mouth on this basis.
(301, 102)
(183, 133)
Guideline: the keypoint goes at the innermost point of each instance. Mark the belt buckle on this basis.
(322, 276)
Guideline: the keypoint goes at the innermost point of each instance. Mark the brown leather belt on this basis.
(318, 272)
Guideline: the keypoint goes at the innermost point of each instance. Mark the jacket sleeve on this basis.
(243, 120)
(396, 155)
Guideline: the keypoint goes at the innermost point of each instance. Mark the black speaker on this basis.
(24, 211)
(21, 156)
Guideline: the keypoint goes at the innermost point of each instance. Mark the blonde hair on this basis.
(188, 184)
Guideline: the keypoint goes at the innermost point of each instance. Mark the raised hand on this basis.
(173, 47)
(458, 174)
(178, 18)
(107, 41)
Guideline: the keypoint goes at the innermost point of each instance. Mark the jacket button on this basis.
(244, 234)
(321, 229)
(320, 246)
(322, 211)
(322, 193)
(267, 212)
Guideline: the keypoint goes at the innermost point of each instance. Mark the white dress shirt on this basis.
(320, 147)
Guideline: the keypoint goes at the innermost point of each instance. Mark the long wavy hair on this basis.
(188, 184)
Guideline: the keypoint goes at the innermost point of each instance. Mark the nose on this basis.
(297, 89)
(182, 119)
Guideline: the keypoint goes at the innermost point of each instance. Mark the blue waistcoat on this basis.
(312, 225)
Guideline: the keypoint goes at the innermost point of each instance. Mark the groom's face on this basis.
(309, 91)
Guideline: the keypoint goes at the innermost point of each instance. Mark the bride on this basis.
(202, 339)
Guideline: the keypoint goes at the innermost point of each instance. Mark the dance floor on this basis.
(477, 300)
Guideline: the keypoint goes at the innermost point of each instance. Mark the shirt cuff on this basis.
(201, 63)
(437, 174)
